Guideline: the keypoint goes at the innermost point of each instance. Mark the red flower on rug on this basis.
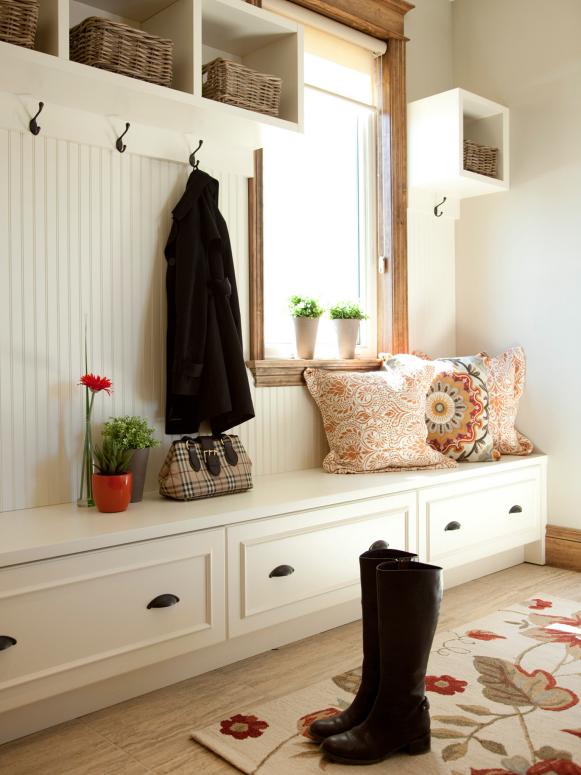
(571, 640)
(445, 684)
(241, 727)
(305, 722)
(484, 635)
(547, 767)
(96, 383)
(554, 767)
(538, 604)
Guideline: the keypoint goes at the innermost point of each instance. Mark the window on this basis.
(349, 75)
(320, 230)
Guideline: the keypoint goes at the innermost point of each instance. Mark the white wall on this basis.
(429, 50)
(518, 259)
(82, 231)
(431, 286)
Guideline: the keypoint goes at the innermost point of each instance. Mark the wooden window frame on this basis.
(384, 19)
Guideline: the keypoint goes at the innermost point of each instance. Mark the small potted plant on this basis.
(347, 318)
(134, 434)
(112, 479)
(306, 313)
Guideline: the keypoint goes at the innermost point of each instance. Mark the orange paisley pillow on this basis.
(506, 382)
(375, 421)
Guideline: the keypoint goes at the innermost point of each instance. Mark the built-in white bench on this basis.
(106, 607)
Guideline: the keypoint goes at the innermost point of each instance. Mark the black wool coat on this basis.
(206, 374)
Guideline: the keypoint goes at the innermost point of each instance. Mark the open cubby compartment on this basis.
(437, 126)
(173, 19)
(486, 123)
(52, 35)
(256, 38)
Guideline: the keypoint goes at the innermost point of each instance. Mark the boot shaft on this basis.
(408, 601)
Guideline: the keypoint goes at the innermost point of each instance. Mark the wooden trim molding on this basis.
(256, 258)
(276, 372)
(381, 18)
(392, 329)
(563, 547)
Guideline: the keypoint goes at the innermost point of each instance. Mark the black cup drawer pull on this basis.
(164, 601)
(453, 526)
(381, 544)
(7, 642)
(515, 510)
(281, 570)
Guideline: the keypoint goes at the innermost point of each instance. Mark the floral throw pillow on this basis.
(457, 408)
(506, 380)
(375, 421)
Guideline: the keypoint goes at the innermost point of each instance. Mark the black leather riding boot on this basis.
(408, 599)
(365, 697)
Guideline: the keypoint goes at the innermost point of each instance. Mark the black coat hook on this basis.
(119, 144)
(193, 161)
(437, 208)
(33, 125)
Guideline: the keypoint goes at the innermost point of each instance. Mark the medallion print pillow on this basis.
(374, 421)
(457, 408)
(506, 381)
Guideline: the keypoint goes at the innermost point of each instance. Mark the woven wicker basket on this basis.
(122, 49)
(236, 84)
(18, 21)
(480, 158)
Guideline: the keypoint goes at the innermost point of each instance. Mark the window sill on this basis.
(276, 372)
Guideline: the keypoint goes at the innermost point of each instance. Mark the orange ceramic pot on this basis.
(112, 493)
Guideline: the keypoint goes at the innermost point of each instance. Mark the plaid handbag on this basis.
(204, 467)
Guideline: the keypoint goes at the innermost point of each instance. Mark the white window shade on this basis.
(337, 59)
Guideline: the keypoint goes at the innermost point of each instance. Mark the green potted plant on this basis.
(346, 317)
(306, 313)
(112, 479)
(134, 434)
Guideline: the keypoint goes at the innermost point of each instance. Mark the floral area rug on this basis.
(504, 695)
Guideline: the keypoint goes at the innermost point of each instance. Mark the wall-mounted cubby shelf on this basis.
(200, 30)
(437, 128)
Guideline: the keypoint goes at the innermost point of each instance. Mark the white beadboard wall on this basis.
(82, 231)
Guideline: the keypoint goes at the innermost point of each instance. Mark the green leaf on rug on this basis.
(548, 753)
(455, 751)
(447, 734)
(478, 710)
(460, 721)
(493, 746)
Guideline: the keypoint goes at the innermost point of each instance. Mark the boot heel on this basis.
(419, 746)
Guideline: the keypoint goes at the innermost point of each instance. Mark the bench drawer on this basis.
(294, 565)
(480, 518)
(146, 602)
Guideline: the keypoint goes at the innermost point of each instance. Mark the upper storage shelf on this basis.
(437, 129)
(201, 30)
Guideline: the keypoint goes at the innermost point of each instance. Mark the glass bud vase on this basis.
(86, 489)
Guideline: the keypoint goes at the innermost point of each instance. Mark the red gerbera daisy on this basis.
(96, 383)
(241, 727)
(445, 684)
(484, 635)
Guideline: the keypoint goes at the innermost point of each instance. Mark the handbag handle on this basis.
(229, 452)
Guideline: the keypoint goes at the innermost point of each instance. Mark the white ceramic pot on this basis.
(347, 333)
(306, 336)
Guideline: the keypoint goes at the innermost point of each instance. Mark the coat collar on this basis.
(199, 182)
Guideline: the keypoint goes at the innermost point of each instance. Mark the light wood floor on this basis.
(152, 733)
